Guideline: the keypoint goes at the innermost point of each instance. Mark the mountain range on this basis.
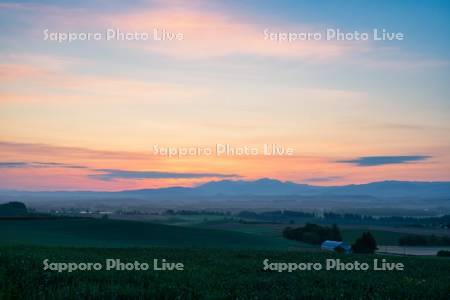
(272, 187)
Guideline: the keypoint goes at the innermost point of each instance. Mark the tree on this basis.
(313, 233)
(365, 244)
(443, 253)
(13, 209)
(336, 233)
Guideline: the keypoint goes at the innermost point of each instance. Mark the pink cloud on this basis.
(210, 34)
(13, 72)
(206, 33)
(57, 82)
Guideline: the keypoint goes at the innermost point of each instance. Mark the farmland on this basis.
(225, 263)
(383, 234)
(213, 274)
(113, 233)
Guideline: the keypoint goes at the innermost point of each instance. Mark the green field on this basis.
(213, 274)
(349, 235)
(114, 233)
(381, 236)
(219, 264)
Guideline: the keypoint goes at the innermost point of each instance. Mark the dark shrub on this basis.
(365, 244)
(444, 253)
(313, 233)
(12, 209)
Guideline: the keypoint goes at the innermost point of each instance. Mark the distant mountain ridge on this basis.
(271, 187)
(382, 189)
(264, 186)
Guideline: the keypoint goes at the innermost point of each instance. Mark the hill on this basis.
(115, 233)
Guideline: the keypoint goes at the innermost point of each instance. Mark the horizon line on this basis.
(216, 181)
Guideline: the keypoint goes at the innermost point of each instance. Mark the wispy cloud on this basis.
(323, 179)
(12, 164)
(59, 83)
(12, 148)
(56, 165)
(368, 161)
(207, 33)
(111, 174)
(213, 34)
(36, 164)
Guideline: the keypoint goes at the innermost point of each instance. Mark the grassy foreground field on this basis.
(219, 264)
(213, 274)
(115, 233)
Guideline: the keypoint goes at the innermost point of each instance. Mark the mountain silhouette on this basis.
(271, 187)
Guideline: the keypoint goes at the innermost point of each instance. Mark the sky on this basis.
(89, 114)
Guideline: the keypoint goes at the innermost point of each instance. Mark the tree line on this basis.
(317, 234)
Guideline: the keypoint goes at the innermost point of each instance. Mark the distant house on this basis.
(336, 246)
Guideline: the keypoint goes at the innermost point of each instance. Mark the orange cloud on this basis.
(60, 85)
(55, 169)
(14, 72)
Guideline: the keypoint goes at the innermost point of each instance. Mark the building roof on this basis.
(333, 244)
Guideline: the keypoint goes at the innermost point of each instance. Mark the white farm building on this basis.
(336, 246)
